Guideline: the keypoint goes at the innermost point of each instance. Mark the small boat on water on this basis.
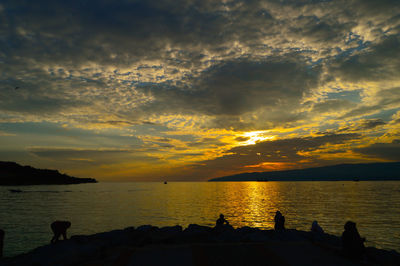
(355, 179)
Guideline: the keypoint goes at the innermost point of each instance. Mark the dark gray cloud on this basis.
(371, 8)
(380, 61)
(371, 123)
(30, 103)
(388, 151)
(363, 125)
(242, 139)
(85, 31)
(121, 32)
(73, 156)
(226, 91)
(51, 131)
(189, 38)
(69, 152)
(382, 100)
(206, 142)
(332, 105)
(238, 87)
(321, 29)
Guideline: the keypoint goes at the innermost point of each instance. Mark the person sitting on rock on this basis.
(1, 242)
(279, 221)
(352, 242)
(221, 221)
(59, 228)
(315, 228)
(222, 224)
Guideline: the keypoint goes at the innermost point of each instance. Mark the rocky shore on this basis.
(199, 245)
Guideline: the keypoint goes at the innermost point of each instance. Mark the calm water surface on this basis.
(92, 208)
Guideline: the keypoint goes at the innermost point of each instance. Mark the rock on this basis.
(383, 257)
(130, 229)
(197, 229)
(171, 229)
(256, 237)
(118, 247)
(198, 233)
(167, 235)
(146, 228)
(80, 239)
(246, 230)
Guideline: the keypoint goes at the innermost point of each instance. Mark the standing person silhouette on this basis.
(279, 221)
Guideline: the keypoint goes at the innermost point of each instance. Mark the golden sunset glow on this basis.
(193, 93)
(271, 166)
(256, 136)
(199, 132)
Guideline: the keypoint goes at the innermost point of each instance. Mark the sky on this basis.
(190, 90)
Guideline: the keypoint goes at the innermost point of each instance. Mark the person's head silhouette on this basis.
(350, 226)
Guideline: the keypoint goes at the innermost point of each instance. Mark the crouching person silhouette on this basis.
(59, 228)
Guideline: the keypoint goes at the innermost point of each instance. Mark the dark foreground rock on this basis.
(199, 245)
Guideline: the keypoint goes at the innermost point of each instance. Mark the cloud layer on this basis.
(171, 85)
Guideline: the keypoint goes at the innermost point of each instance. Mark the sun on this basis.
(256, 136)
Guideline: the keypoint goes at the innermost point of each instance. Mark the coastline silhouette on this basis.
(14, 174)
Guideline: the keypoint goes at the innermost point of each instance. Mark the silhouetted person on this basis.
(1, 242)
(316, 228)
(279, 221)
(59, 228)
(352, 242)
(221, 221)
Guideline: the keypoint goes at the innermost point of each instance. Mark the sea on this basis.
(92, 208)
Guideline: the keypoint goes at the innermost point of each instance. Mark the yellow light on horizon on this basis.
(256, 136)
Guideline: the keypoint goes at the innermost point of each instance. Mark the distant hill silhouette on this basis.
(341, 172)
(13, 174)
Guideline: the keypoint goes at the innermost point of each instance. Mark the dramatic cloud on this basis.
(161, 86)
(272, 155)
(238, 88)
(377, 62)
(389, 151)
(364, 125)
